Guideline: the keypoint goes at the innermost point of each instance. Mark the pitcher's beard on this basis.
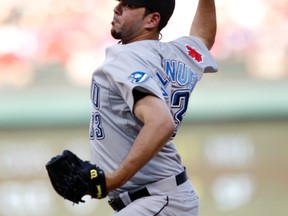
(116, 35)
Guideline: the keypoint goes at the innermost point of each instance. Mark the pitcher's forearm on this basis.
(204, 24)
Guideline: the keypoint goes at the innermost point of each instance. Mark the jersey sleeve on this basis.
(129, 72)
(193, 51)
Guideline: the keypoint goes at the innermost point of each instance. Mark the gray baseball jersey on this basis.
(168, 70)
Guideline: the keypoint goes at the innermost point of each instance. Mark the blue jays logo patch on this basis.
(138, 77)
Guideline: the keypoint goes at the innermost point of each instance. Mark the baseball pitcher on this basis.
(139, 96)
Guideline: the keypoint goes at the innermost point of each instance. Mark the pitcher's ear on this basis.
(153, 20)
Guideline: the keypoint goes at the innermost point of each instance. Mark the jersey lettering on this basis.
(180, 99)
(170, 69)
(95, 94)
(96, 130)
(182, 79)
(164, 82)
(180, 74)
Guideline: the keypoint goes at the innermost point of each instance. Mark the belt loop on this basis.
(181, 177)
(125, 197)
(116, 204)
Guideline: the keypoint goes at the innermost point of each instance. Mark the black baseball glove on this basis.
(73, 178)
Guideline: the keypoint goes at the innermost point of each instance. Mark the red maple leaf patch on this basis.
(194, 54)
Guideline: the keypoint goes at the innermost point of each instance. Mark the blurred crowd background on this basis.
(35, 35)
(234, 141)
